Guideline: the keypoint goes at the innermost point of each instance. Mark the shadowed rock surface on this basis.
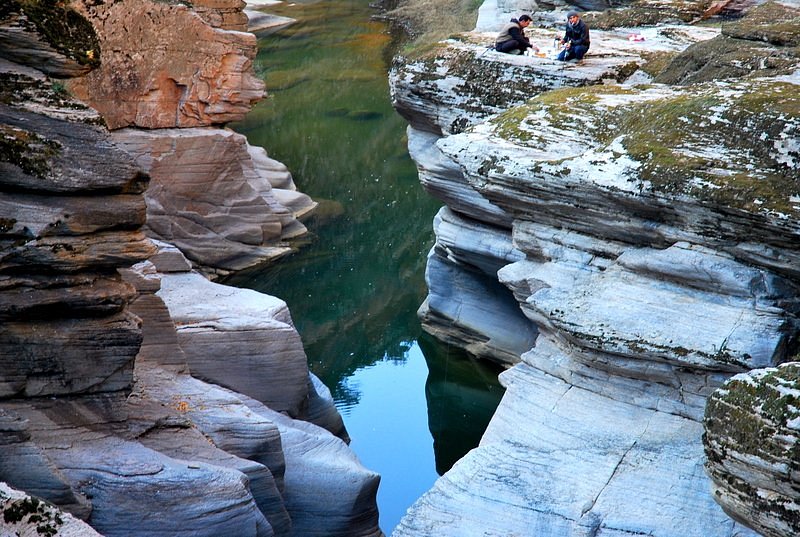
(648, 235)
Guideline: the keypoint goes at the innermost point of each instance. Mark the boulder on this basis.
(211, 195)
(164, 66)
(751, 434)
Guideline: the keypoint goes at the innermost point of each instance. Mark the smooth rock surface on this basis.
(211, 195)
(251, 331)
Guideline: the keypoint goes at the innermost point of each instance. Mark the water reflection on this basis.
(462, 394)
(353, 292)
(354, 288)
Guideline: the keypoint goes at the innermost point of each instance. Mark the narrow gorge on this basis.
(618, 235)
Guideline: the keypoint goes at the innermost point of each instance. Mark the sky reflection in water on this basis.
(354, 288)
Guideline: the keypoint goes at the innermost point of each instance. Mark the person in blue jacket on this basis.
(576, 38)
(511, 38)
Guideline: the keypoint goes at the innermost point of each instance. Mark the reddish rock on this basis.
(163, 66)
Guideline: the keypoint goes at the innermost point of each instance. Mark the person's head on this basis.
(573, 17)
(524, 20)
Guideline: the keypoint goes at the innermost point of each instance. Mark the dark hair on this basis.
(524, 18)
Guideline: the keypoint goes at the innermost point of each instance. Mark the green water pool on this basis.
(412, 406)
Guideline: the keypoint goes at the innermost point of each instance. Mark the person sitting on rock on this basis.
(511, 38)
(576, 38)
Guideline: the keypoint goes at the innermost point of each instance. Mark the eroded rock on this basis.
(212, 196)
(163, 66)
(751, 435)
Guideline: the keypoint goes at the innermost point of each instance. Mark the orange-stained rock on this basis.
(225, 14)
(164, 66)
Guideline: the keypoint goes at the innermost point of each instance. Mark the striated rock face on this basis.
(99, 411)
(221, 201)
(752, 428)
(62, 300)
(163, 66)
(648, 236)
(225, 14)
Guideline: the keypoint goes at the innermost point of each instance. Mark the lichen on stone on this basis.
(27, 150)
(37, 513)
(61, 27)
(695, 142)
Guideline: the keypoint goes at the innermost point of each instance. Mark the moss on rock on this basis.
(27, 150)
(696, 142)
(773, 23)
(648, 13)
(752, 442)
(63, 28)
(766, 42)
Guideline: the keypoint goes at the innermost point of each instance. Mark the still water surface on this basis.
(411, 405)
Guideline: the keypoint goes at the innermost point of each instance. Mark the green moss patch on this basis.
(732, 144)
(63, 28)
(750, 411)
(27, 150)
(647, 13)
(729, 169)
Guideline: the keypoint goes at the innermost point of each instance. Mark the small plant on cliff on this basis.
(63, 28)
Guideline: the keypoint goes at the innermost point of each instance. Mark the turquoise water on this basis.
(411, 405)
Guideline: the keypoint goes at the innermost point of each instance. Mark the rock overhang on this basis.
(690, 143)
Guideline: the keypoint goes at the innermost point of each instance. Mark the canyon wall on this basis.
(135, 394)
(622, 234)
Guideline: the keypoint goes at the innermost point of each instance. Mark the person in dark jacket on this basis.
(576, 38)
(511, 38)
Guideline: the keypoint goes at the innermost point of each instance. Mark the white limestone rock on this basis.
(561, 460)
(443, 179)
(617, 179)
(465, 305)
(28, 516)
(462, 81)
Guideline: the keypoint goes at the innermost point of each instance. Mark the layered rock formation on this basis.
(99, 411)
(751, 443)
(647, 237)
(156, 65)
